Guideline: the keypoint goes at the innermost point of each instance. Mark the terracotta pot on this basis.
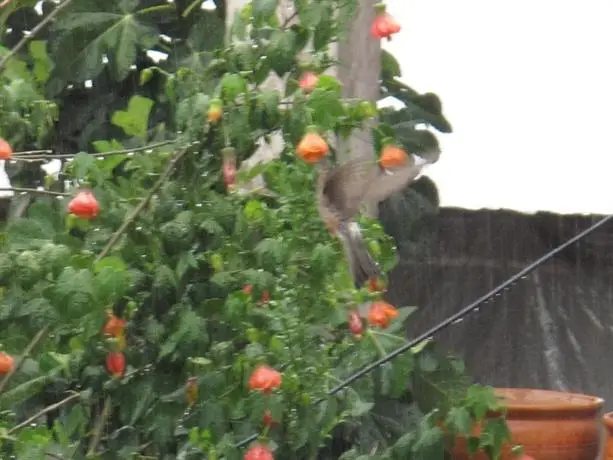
(607, 421)
(551, 425)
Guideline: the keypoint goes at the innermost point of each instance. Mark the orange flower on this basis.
(355, 323)
(248, 289)
(381, 313)
(114, 325)
(7, 363)
(308, 81)
(312, 147)
(384, 25)
(264, 379)
(84, 205)
(258, 452)
(393, 157)
(6, 151)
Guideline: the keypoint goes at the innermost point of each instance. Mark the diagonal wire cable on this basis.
(453, 318)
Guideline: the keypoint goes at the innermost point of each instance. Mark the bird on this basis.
(342, 190)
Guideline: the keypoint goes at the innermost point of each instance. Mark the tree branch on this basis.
(35, 156)
(33, 190)
(33, 33)
(39, 335)
(43, 411)
(104, 415)
(143, 204)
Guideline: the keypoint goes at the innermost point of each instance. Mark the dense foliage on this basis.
(141, 316)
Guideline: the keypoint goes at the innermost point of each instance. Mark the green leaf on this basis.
(239, 27)
(111, 284)
(330, 83)
(399, 323)
(430, 443)
(459, 420)
(323, 258)
(263, 10)
(233, 85)
(495, 432)
(82, 164)
(20, 393)
(360, 407)
(191, 330)
(135, 119)
(269, 252)
(282, 51)
(22, 233)
(438, 386)
(113, 262)
(312, 14)
(324, 31)
(91, 29)
(42, 63)
(327, 108)
(75, 291)
(390, 67)
(402, 367)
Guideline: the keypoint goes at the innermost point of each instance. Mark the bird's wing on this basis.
(388, 182)
(345, 186)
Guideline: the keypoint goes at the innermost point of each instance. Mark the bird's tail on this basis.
(361, 264)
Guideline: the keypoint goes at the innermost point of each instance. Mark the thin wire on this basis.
(450, 320)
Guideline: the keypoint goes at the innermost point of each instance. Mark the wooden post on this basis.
(359, 71)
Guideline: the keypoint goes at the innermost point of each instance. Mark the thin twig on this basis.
(43, 411)
(39, 335)
(289, 19)
(33, 190)
(33, 152)
(143, 204)
(104, 415)
(31, 156)
(33, 33)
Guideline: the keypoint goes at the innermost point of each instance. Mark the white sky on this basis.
(528, 88)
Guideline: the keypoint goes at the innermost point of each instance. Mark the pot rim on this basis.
(581, 402)
(608, 419)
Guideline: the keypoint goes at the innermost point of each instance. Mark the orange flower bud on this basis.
(7, 363)
(308, 81)
(116, 363)
(393, 157)
(84, 205)
(6, 151)
(312, 147)
(384, 25)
